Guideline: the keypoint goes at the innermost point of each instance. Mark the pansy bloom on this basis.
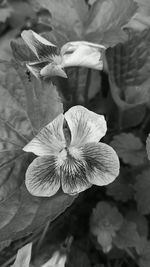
(51, 62)
(70, 155)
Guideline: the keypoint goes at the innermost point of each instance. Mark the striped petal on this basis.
(53, 70)
(73, 173)
(82, 54)
(85, 126)
(50, 140)
(42, 48)
(102, 163)
(42, 178)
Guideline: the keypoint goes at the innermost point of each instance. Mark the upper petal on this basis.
(41, 47)
(42, 178)
(85, 126)
(50, 140)
(102, 163)
(82, 54)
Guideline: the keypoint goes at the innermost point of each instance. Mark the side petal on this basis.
(36, 67)
(82, 54)
(42, 178)
(53, 70)
(41, 47)
(102, 163)
(50, 140)
(85, 126)
(73, 176)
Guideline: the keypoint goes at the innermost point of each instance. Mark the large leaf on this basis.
(106, 19)
(20, 212)
(129, 67)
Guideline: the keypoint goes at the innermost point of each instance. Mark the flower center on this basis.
(57, 59)
(68, 153)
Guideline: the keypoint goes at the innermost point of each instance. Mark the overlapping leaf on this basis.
(142, 188)
(141, 20)
(121, 189)
(67, 15)
(101, 24)
(144, 253)
(148, 146)
(129, 148)
(105, 221)
(20, 119)
(129, 66)
(106, 19)
(127, 236)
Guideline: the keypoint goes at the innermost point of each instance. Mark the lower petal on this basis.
(42, 178)
(53, 70)
(102, 163)
(74, 176)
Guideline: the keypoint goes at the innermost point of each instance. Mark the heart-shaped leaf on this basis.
(24, 109)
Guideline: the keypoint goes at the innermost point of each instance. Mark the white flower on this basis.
(73, 163)
(57, 260)
(51, 63)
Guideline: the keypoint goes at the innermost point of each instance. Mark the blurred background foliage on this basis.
(108, 226)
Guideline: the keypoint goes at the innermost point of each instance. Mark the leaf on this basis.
(20, 212)
(4, 244)
(144, 253)
(104, 223)
(122, 188)
(142, 189)
(23, 256)
(106, 18)
(148, 146)
(67, 15)
(129, 148)
(78, 258)
(129, 66)
(5, 13)
(127, 236)
(140, 221)
(141, 20)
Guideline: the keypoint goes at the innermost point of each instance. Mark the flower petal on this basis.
(82, 54)
(73, 175)
(102, 163)
(85, 126)
(41, 47)
(42, 178)
(36, 67)
(50, 140)
(53, 70)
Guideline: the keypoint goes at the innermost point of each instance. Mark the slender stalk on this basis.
(86, 91)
